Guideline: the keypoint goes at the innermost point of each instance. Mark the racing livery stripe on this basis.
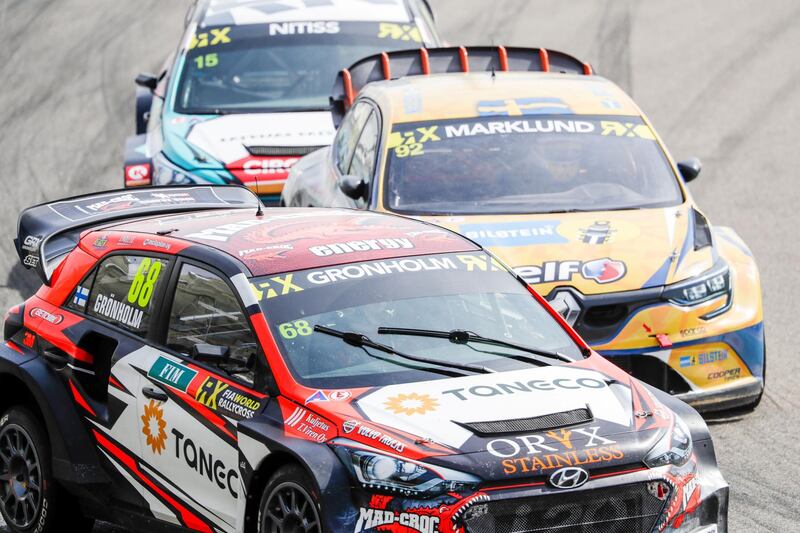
(188, 519)
(80, 399)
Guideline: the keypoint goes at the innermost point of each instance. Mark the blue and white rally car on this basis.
(246, 94)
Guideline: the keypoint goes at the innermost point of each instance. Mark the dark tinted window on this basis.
(468, 291)
(125, 291)
(206, 311)
(527, 163)
(280, 65)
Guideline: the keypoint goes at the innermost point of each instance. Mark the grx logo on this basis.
(569, 477)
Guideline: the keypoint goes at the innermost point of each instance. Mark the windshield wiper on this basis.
(460, 336)
(362, 341)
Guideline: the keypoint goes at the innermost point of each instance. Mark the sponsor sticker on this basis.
(309, 425)
(514, 233)
(602, 271)
(362, 430)
(349, 247)
(539, 453)
(173, 374)
(411, 404)
(31, 243)
(38, 312)
(138, 175)
(369, 518)
(209, 469)
(154, 427)
(334, 396)
(304, 28)
(399, 32)
(227, 399)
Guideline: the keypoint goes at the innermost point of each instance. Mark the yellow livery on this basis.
(560, 174)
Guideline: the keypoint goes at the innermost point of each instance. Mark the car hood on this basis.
(598, 252)
(258, 149)
(495, 425)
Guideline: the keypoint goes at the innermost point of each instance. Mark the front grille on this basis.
(652, 371)
(624, 509)
(267, 151)
(537, 423)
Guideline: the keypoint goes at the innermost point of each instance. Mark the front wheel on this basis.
(289, 504)
(29, 498)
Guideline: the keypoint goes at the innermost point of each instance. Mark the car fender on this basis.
(263, 437)
(74, 456)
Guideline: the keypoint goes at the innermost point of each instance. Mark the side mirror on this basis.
(210, 353)
(353, 186)
(148, 81)
(690, 169)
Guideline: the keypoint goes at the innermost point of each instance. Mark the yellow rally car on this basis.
(560, 174)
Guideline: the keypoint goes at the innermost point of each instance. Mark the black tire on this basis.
(290, 503)
(30, 499)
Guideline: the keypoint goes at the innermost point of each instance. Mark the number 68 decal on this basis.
(142, 287)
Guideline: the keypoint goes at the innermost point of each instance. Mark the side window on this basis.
(80, 296)
(124, 291)
(206, 311)
(363, 163)
(347, 136)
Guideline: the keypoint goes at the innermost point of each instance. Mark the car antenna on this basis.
(259, 211)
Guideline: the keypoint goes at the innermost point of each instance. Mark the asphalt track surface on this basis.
(719, 79)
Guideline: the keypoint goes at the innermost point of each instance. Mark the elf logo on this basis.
(599, 270)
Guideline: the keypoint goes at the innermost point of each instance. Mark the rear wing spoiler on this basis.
(425, 61)
(46, 233)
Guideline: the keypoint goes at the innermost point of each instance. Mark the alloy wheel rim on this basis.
(290, 509)
(20, 477)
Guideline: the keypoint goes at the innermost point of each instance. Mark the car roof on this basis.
(421, 98)
(288, 239)
(236, 12)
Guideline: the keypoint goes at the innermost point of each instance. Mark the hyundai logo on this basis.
(569, 477)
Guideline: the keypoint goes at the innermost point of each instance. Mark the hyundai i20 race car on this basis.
(560, 174)
(193, 362)
(246, 92)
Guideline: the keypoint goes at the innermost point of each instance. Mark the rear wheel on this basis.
(289, 504)
(30, 501)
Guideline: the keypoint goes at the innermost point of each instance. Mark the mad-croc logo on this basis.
(536, 454)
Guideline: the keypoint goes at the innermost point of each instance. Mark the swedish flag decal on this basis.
(524, 106)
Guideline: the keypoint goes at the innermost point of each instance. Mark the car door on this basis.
(119, 300)
(196, 390)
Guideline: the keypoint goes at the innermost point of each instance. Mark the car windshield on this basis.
(527, 164)
(445, 292)
(278, 66)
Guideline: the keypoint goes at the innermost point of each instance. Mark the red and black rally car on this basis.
(194, 362)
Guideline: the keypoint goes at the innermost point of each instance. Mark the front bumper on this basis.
(716, 373)
(743, 392)
(630, 502)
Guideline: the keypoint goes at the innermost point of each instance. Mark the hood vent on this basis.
(527, 425)
(266, 151)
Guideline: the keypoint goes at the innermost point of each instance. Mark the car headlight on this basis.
(375, 471)
(673, 448)
(712, 284)
(165, 172)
